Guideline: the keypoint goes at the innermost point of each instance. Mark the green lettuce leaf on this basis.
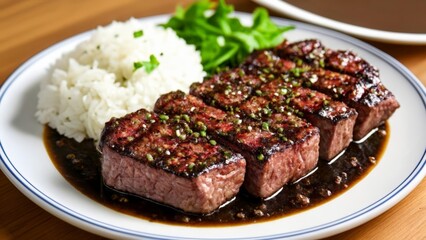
(221, 38)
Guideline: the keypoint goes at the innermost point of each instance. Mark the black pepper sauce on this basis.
(79, 163)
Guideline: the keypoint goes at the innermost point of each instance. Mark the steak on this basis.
(278, 149)
(374, 104)
(342, 75)
(162, 158)
(237, 91)
(334, 119)
(313, 53)
(227, 90)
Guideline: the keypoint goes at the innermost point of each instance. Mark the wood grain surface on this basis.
(27, 27)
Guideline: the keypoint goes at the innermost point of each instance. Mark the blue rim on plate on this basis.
(344, 223)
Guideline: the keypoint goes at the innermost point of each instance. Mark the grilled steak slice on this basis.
(265, 62)
(227, 90)
(313, 53)
(160, 157)
(374, 104)
(340, 74)
(334, 119)
(278, 149)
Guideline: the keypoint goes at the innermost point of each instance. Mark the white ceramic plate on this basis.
(25, 162)
(366, 33)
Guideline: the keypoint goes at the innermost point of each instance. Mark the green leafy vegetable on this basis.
(148, 65)
(221, 38)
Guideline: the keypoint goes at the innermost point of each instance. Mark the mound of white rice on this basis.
(98, 79)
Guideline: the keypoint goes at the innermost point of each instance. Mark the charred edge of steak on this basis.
(165, 142)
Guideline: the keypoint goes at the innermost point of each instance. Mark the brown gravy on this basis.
(79, 164)
(390, 15)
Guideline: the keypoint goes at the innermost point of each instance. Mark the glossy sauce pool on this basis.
(79, 164)
(390, 15)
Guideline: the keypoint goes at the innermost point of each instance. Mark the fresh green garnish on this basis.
(148, 65)
(265, 126)
(191, 166)
(137, 34)
(163, 117)
(221, 38)
(149, 157)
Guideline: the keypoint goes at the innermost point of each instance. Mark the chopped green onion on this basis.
(186, 118)
(326, 102)
(321, 63)
(265, 126)
(228, 154)
(163, 117)
(283, 91)
(191, 166)
(149, 157)
(138, 34)
(148, 65)
(137, 65)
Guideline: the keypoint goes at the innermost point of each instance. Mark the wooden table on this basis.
(28, 27)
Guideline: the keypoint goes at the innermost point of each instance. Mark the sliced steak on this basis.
(334, 119)
(342, 75)
(160, 157)
(313, 53)
(227, 90)
(278, 149)
(374, 104)
(233, 92)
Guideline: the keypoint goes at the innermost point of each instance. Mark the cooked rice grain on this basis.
(97, 80)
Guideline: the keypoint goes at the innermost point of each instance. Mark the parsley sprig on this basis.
(148, 65)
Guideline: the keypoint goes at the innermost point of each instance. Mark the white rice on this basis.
(97, 80)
